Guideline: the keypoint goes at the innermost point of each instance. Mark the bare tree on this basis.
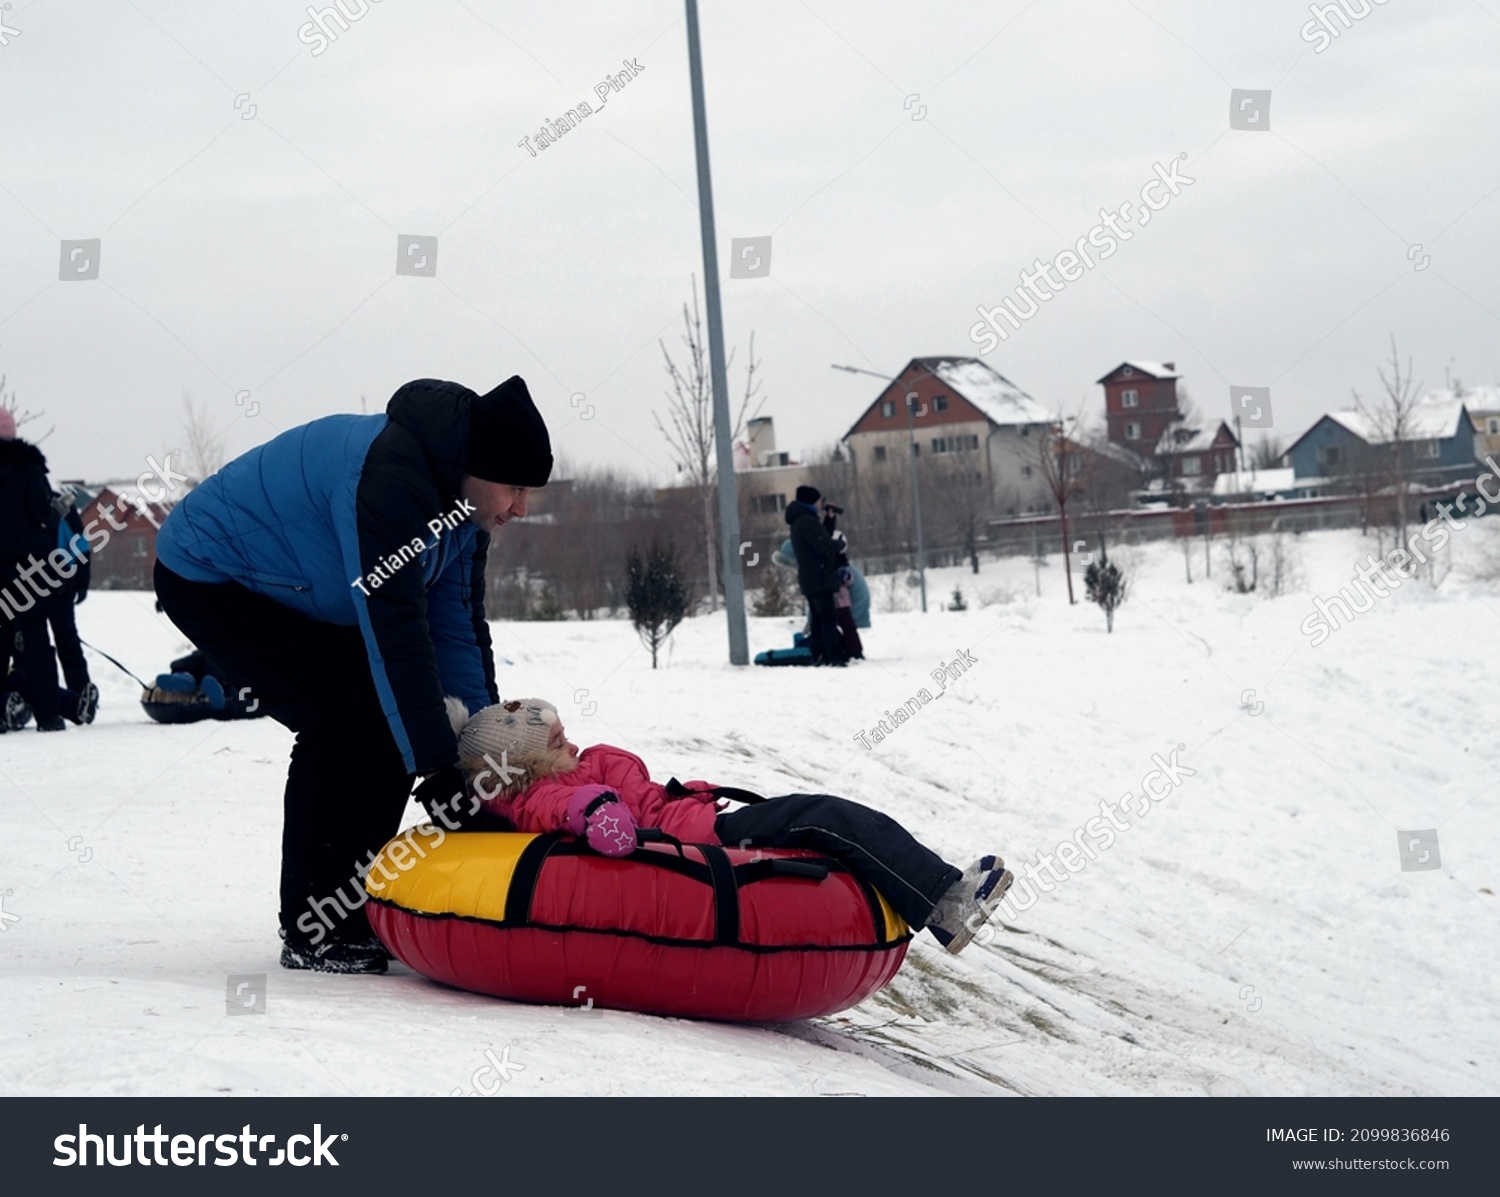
(690, 411)
(205, 443)
(568, 548)
(961, 491)
(1393, 422)
(23, 415)
(1059, 457)
(1267, 453)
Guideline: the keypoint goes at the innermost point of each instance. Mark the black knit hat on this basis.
(808, 494)
(508, 439)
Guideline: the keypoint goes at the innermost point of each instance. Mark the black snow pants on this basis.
(61, 617)
(826, 642)
(872, 845)
(25, 641)
(347, 784)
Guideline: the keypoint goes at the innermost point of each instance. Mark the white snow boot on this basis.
(968, 903)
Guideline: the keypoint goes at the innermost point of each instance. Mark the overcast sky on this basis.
(253, 248)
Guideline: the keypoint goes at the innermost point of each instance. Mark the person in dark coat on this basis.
(817, 575)
(338, 570)
(28, 531)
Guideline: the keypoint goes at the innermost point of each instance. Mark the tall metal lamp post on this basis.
(916, 481)
(729, 512)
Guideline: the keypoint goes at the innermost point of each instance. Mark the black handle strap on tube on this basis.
(113, 662)
(655, 835)
(677, 790)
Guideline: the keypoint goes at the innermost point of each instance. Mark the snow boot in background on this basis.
(17, 711)
(88, 704)
(367, 955)
(960, 912)
(54, 724)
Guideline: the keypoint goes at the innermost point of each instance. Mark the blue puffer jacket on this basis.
(310, 517)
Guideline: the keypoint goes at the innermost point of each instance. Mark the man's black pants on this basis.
(874, 846)
(61, 616)
(347, 784)
(827, 643)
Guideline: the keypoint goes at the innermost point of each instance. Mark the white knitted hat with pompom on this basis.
(513, 733)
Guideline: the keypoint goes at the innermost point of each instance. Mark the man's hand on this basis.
(444, 795)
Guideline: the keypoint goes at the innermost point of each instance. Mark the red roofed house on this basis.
(972, 426)
(127, 560)
(1142, 414)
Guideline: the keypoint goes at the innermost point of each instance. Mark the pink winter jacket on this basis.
(543, 805)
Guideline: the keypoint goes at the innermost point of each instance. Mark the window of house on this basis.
(1493, 426)
(1127, 372)
(916, 449)
(767, 504)
(1025, 429)
(887, 409)
(1132, 431)
(1192, 465)
(879, 452)
(955, 444)
(138, 547)
(1331, 455)
(1130, 398)
(1025, 471)
(1429, 449)
(940, 403)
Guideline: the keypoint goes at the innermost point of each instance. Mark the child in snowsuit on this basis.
(523, 769)
(844, 614)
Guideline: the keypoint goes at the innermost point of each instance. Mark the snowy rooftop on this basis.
(130, 494)
(1434, 417)
(1119, 453)
(1478, 400)
(992, 393)
(1154, 369)
(1197, 441)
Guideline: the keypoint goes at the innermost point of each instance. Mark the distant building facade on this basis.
(1346, 451)
(971, 428)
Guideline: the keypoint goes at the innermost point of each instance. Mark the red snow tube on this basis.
(695, 931)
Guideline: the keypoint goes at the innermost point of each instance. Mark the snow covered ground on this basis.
(1255, 933)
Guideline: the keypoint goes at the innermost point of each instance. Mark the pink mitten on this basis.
(597, 813)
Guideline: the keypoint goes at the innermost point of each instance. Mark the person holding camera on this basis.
(817, 572)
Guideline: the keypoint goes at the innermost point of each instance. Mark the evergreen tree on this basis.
(655, 594)
(1105, 585)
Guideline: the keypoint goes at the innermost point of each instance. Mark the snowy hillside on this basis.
(1255, 933)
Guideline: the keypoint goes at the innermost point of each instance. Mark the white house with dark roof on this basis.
(967, 420)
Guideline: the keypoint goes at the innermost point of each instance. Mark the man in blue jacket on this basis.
(339, 570)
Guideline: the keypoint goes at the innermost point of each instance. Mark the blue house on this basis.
(1346, 449)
